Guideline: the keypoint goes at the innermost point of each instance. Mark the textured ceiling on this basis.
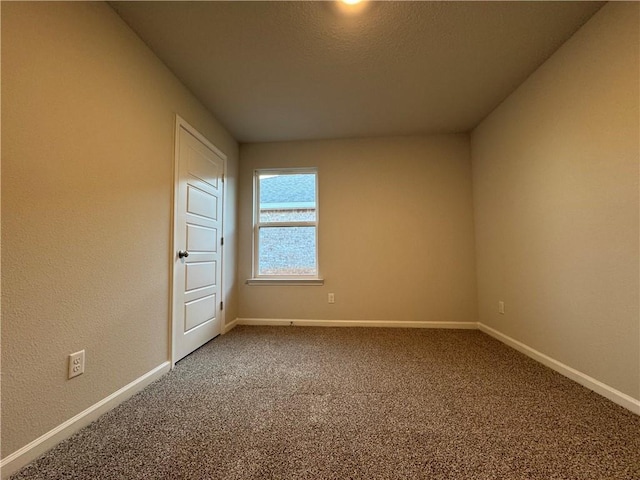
(306, 70)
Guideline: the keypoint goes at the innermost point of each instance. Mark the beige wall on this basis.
(87, 179)
(555, 184)
(396, 230)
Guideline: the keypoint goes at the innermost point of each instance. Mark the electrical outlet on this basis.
(76, 364)
(501, 307)
(331, 298)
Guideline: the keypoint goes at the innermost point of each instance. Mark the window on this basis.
(286, 224)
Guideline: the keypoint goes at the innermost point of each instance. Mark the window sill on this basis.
(285, 281)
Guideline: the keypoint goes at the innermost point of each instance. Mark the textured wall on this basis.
(87, 181)
(555, 177)
(396, 230)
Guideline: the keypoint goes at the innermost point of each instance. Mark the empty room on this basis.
(320, 240)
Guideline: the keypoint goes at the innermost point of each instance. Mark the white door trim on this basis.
(182, 123)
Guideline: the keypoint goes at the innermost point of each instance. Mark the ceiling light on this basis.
(351, 7)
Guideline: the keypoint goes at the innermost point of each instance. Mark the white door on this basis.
(197, 256)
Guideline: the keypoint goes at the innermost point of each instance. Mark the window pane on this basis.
(287, 251)
(288, 198)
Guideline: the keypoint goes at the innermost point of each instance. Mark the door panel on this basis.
(200, 275)
(199, 311)
(201, 238)
(201, 203)
(200, 167)
(197, 279)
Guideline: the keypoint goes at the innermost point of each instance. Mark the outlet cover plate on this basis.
(76, 364)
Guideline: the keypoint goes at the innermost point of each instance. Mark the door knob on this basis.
(183, 254)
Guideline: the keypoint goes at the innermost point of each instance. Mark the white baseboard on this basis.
(229, 326)
(25, 455)
(353, 323)
(597, 386)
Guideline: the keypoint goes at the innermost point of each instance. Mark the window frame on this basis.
(290, 279)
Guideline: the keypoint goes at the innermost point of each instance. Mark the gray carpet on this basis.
(348, 403)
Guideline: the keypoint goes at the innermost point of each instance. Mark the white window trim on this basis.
(258, 279)
(287, 281)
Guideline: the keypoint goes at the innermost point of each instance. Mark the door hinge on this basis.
(221, 305)
(222, 241)
(223, 178)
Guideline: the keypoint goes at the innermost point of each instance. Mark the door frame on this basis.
(181, 123)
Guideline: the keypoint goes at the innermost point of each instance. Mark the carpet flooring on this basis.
(354, 403)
